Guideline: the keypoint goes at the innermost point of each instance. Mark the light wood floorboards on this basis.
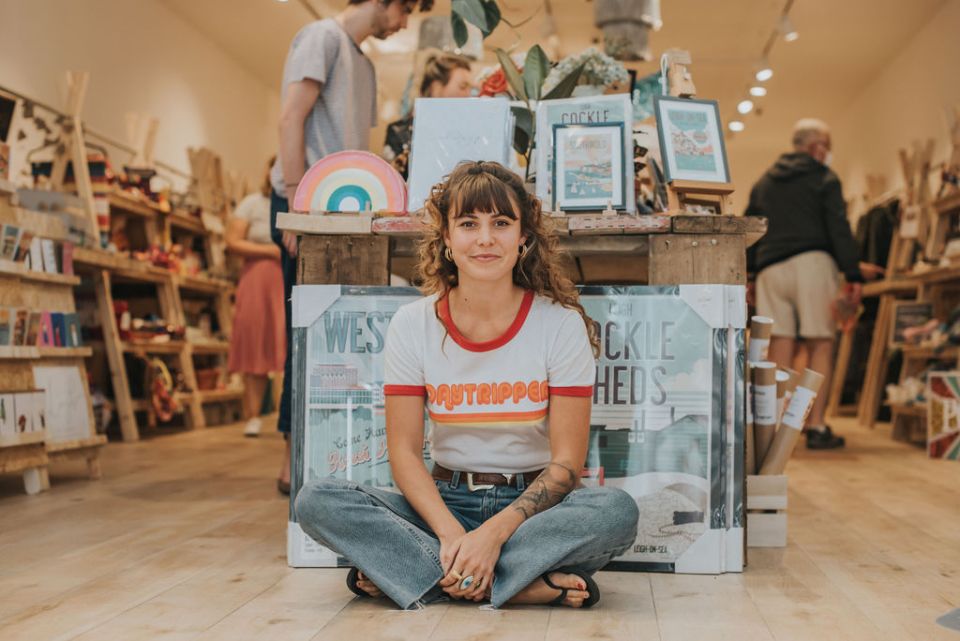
(184, 539)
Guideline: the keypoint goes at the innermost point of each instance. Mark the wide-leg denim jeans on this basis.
(380, 533)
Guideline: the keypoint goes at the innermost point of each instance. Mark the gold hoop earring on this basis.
(524, 250)
(447, 253)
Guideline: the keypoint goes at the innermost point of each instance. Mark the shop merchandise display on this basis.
(351, 181)
(666, 426)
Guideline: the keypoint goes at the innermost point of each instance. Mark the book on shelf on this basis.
(49, 255)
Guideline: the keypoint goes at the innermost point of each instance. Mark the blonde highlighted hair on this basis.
(489, 187)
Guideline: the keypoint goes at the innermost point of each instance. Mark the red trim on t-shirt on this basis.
(404, 390)
(580, 390)
(443, 309)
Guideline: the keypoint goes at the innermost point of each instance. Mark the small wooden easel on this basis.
(683, 193)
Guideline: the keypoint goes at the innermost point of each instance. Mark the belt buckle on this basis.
(474, 488)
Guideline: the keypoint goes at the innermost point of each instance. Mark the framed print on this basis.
(691, 139)
(907, 314)
(589, 166)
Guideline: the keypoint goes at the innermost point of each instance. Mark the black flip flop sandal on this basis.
(353, 576)
(592, 589)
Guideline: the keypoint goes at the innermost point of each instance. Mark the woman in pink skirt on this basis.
(258, 341)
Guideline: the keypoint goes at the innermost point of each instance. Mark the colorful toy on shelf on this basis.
(351, 181)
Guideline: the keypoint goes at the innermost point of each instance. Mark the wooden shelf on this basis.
(898, 286)
(920, 351)
(27, 438)
(210, 347)
(121, 266)
(948, 204)
(25, 352)
(20, 271)
(120, 201)
(186, 222)
(63, 446)
(908, 410)
(203, 284)
(220, 395)
(145, 347)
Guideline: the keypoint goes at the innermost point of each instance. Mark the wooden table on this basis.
(616, 250)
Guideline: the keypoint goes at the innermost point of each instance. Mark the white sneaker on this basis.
(252, 427)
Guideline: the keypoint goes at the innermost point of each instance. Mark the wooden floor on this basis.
(184, 539)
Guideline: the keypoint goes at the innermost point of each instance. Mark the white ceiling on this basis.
(842, 46)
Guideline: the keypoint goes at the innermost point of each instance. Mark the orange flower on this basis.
(494, 85)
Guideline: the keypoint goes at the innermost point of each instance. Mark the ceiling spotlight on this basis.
(764, 72)
(758, 90)
(745, 106)
(786, 27)
(736, 125)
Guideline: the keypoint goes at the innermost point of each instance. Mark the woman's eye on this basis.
(503, 223)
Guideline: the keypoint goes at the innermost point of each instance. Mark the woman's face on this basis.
(459, 86)
(485, 246)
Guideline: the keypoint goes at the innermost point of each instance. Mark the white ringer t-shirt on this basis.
(488, 401)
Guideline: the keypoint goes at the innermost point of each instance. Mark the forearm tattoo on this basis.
(554, 483)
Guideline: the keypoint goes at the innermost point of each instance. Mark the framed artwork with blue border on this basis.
(589, 171)
(691, 139)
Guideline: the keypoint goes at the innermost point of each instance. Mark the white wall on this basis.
(909, 101)
(143, 58)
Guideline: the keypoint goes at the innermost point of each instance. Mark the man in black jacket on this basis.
(796, 263)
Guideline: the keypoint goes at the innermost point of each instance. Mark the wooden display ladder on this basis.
(155, 228)
(31, 452)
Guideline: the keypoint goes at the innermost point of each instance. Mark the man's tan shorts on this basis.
(797, 294)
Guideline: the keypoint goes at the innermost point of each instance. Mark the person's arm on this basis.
(845, 250)
(405, 444)
(298, 100)
(236, 238)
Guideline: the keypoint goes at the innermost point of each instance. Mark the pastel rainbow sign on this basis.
(351, 181)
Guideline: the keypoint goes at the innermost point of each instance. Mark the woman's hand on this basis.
(473, 554)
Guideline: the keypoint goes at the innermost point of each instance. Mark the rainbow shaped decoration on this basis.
(351, 181)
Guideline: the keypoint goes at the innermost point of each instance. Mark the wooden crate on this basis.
(767, 511)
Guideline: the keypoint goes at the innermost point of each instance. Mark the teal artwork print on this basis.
(693, 148)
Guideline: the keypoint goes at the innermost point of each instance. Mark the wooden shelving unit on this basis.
(31, 452)
(170, 294)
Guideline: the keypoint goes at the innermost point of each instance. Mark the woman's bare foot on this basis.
(368, 586)
(539, 592)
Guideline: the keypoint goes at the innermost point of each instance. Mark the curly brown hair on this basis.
(485, 186)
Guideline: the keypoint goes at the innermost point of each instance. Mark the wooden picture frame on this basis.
(574, 150)
(907, 313)
(691, 139)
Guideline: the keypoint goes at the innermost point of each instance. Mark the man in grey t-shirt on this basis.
(328, 104)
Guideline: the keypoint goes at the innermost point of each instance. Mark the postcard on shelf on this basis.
(447, 131)
(23, 406)
(36, 255)
(585, 110)
(46, 330)
(691, 139)
(39, 410)
(66, 265)
(49, 255)
(589, 166)
(23, 248)
(8, 416)
(33, 329)
(72, 333)
(9, 242)
(20, 319)
(6, 325)
(59, 329)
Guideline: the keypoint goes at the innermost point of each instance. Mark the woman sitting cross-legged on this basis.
(500, 353)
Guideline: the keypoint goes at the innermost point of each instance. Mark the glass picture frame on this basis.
(589, 170)
(691, 139)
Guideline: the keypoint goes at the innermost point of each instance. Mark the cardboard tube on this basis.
(748, 446)
(760, 330)
(783, 379)
(764, 407)
(792, 424)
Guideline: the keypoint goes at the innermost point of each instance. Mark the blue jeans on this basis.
(380, 533)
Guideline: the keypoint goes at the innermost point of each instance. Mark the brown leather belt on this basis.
(483, 480)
